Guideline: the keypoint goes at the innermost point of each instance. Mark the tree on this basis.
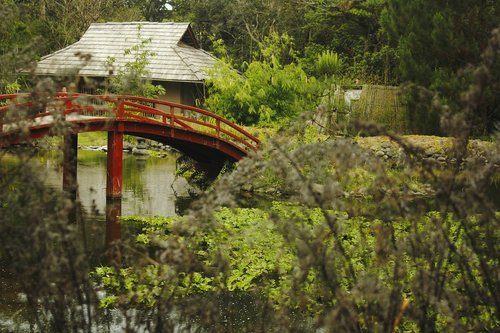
(58, 23)
(268, 92)
(347, 27)
(435, 41)
(241, 24)
(20, 44)
(152, 10)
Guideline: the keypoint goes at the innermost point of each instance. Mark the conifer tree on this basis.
(435, 41)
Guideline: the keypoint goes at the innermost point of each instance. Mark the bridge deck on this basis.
(157, 119)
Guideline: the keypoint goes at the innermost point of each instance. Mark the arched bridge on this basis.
(194, 131)
(200, 134)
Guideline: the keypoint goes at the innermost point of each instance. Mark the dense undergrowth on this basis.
(352, 240)
(353, 248)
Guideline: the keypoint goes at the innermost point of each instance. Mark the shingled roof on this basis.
(177, 55)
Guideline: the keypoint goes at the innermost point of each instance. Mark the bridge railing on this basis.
(84, 106)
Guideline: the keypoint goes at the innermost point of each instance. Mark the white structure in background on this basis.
(350, 96)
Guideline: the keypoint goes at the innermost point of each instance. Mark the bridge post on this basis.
(113, 213)
(70, 159)
(114, 164)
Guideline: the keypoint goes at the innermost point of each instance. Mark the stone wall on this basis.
(435, 149)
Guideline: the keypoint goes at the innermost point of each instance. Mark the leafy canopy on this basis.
(269, 90)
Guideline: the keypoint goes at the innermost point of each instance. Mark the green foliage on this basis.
(92, 139)
(276, 49)
(15, 33)
(15, 38)
(219, 49)
(267, 92)
(349, 28)
(142, 287)
(377, 67)
(242, 25)
(152, 10)
(133, 79)
(263, 252)
(434, 42)
(328, 63)
(13, 88)
(48, 25)
(383, 251)
(148, 226)
(373, 249)
(431, 36)
(255, 252)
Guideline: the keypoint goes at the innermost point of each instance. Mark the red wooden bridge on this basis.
(200, 134)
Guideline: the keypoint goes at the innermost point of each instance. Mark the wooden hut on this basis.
(174, 57)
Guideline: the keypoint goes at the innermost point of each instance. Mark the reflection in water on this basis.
(149, 185)
(150, 188)
(113, 213)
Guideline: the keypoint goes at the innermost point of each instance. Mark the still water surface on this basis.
(150, 187)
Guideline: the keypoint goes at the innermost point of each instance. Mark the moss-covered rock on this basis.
(436, 149)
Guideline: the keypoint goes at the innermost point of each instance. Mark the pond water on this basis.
(150, 187)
